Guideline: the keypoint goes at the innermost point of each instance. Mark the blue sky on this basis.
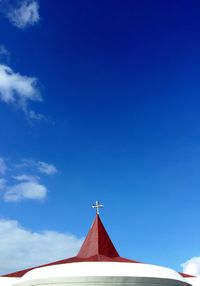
(99, 100)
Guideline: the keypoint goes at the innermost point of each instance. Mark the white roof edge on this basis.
(8, 281)
(195, 281)
(83, 269)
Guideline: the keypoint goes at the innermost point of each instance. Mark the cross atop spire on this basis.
(97, 206)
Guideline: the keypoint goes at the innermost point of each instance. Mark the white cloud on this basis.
(25, 15)
(18, 89)
(36, 116)
(192, 266)
(48, 169)
(21, 248)
(41, 166)
(3, 167)
(30, 190)
(26, 177)
(26, 183)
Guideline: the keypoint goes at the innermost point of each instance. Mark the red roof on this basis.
(186, 275)
(96, 247)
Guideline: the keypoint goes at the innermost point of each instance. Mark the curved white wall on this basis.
(102, 281)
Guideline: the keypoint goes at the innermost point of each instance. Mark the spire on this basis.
(97, 242)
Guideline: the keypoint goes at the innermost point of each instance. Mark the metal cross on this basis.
(97, 206)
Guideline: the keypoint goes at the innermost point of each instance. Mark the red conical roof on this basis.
(97, 242)
(96, 247)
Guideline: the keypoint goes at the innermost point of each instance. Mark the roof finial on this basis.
(97, 206)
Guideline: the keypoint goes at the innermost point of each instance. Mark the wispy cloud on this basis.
(26, 178)
(23, 182)
(3, 166)
(40, 166)
(21, 248)
(27, 190)
(26, 14)
(46, 168)
(192, 266)
(19, 90)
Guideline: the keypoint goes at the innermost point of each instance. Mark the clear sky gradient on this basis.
(120, 83)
